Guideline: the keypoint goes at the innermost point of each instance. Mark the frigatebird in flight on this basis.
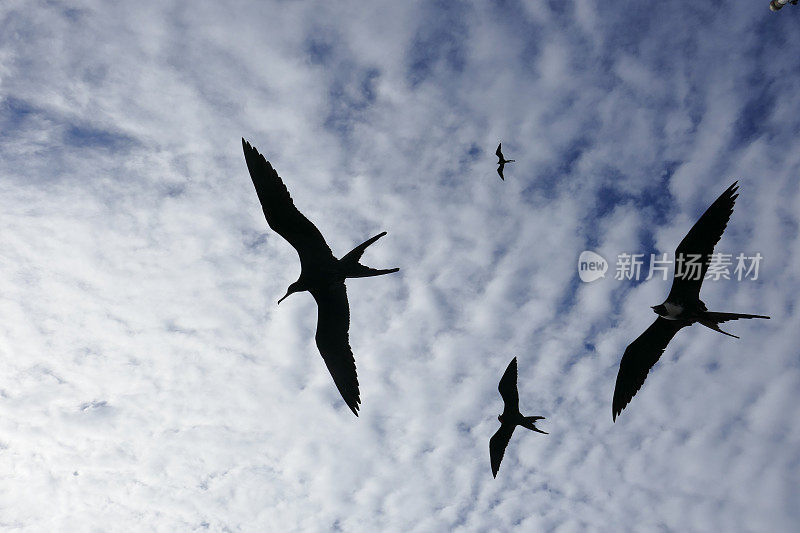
(511, 417)
(502, 162)
(321, 273)
(683, 306)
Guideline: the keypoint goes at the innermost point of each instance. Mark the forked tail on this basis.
(530, 421)
(354, 269)
(713, 319)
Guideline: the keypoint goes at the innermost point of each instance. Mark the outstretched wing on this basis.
(282, 215)
(499, 153)
(333, 322)
(639, 358)
(498, 444)
(508, 389)
(700, 241)
(500, 171)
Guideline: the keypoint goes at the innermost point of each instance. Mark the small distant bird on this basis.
(683, 306)
(777, 5)
(321, 273)
(511, 417)
(502, 162)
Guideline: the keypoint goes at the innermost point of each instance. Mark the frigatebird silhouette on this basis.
(683, 306)
(502, 162)
(321, 273)
(511, 417)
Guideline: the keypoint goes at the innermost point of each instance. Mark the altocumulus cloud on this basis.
(148, 381)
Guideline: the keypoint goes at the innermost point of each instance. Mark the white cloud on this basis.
(150, 379)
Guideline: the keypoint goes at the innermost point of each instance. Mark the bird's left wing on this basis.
(500, 171)
(508, 388)
(280, 211)
(497, 445)
(639, 358)
(499, 152)
(699, 244)
(333, 323)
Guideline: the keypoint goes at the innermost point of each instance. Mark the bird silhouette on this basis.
(511, 417)
(502, 162)
(683, 306)
(321, 273)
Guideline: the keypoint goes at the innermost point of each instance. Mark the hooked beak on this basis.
(284, 297)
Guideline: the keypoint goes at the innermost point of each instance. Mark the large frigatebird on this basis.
(501, 161)
(683, 306)
(321, 273)
(511, 417)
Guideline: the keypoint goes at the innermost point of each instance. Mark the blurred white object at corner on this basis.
(775, 5)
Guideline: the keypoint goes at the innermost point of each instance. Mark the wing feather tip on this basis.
(616, 410)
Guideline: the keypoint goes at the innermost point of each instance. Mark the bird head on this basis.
(660, 309)
(294, 287)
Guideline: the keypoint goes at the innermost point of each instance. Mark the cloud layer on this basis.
(150, 381)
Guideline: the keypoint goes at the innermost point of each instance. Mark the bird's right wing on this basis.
(500, 171)
(497, 445)
(700, 241)
(282, 216)
(333, 323)
(639, 358)
(508, 388)
(499, 153)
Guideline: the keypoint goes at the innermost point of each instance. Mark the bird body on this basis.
(671, 311)
(328, 274)
(510, 417)
(501, 161)
(322, 274)
(683, 306)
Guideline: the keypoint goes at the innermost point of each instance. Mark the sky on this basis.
(149, 381)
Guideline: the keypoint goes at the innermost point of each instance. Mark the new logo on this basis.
(591, 266)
